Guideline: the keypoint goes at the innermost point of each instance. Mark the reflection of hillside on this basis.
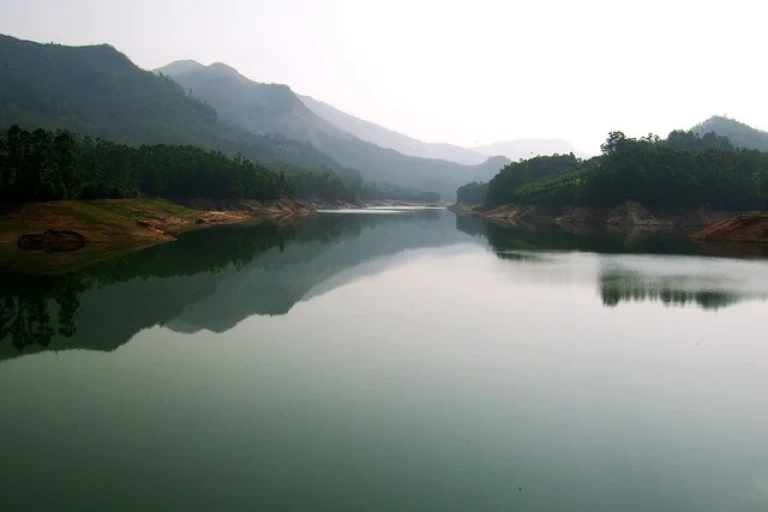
(102, 306)
(207, 279)
(503, 236)
(274, 283)
(623, 273)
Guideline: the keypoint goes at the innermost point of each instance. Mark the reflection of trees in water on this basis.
(504, 236)
(521, 243)
(622, 287)
(25, 309)
(35, 309)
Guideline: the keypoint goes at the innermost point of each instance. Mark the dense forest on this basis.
(685, 170)
(45, 165)
(472, 193)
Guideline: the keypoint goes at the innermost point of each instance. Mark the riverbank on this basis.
(70, 234)
(745, 228)
(629, 215)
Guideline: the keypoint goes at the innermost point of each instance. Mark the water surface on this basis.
(410, 361)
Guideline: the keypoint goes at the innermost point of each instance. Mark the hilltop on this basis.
(740, 134)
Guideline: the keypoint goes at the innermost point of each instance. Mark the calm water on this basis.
(389, 361)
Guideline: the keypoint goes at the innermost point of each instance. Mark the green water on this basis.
(382, 361)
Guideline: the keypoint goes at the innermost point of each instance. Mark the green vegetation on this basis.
(99, 93)
(42, 165)
(472, 193)
(683, 171)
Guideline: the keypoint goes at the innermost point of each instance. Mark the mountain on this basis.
(512, 149)
(257, 107)
(386, 138)
(273, 108)
(490, 168)
(525, 148)
(739, 134)
(98, 91)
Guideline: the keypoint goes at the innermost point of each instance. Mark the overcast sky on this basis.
(454, 71)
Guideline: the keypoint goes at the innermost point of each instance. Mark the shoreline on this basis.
(629, 215)
(110, 228)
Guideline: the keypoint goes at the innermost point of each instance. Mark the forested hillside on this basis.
(43, 165)
(685, 170)
(267, 108)
(99, 92)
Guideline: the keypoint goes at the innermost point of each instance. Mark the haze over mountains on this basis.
(274, 108)
(739, 133)
(98, 91)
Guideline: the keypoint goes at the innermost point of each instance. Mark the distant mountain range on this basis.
(386, 138)
(273, 108)
(512, 149)
(98, 91)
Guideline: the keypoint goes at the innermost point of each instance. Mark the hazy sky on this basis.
(455, 71)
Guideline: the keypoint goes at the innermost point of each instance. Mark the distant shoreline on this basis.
(629, 215)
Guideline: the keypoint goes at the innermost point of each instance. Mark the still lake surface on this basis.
(390, 361)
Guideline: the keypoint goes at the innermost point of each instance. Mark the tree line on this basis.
(42, 165)
(683, 170)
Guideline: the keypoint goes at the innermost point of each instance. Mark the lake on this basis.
(390, 360)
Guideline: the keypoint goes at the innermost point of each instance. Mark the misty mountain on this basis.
(365, 130)
(273, 108)
(386, 138)
(257, 107)
(740, 134)
(526, 148)
(98, 91)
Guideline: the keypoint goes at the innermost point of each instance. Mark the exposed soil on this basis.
(745, 228)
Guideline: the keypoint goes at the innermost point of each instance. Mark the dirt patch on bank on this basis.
(745, 228)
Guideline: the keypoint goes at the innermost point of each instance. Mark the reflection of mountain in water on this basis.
(624, 275)
(277, 281)
(209, 279)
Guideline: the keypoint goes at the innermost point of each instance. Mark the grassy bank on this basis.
(113, 227)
